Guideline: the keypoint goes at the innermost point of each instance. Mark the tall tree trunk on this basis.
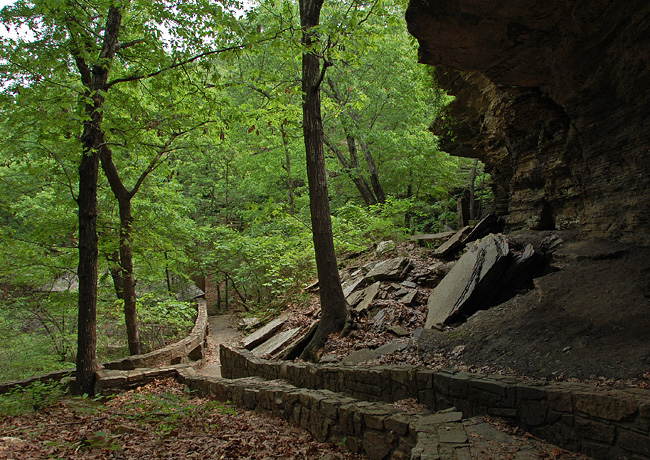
(94, 79)
(87, 270)
(334, 308)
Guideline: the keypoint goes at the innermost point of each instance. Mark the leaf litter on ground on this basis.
(161, 420)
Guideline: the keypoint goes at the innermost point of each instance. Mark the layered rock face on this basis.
(554, 96)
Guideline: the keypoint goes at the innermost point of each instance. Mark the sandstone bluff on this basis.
(553, 97)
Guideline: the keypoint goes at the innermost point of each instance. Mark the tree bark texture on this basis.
(94, 79)
(334, 308)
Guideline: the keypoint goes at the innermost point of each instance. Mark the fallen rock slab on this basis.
(485, 226)
(435, 238)
(263, 334)
(367, 354)
(298, 345)
(480, 265)
(351, 285)
(453, 244)
(359, 356)
(276, 343)
(369, 295)
(399, 331)
(354, 298)
(409, 297)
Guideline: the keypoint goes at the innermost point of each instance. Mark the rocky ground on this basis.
(585, 316)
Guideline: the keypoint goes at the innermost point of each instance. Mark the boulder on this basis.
(249, 323)
(190, 293)
(473, 273)
(390, 270)
(385, 247)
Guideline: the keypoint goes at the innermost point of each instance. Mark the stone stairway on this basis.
(377, 430)
(599, 422)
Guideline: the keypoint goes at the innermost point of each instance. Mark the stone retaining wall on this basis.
(602, 423)
(374, 429)
(191, 349)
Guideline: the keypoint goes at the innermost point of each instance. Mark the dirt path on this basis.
(223, 329)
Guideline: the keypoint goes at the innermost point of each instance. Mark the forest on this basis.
(148, 143)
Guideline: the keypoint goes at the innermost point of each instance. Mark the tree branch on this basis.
(125, 45)
(190, 60)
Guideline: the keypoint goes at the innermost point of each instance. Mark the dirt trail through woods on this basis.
(223, 329)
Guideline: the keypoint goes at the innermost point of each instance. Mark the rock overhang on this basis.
(552, 97)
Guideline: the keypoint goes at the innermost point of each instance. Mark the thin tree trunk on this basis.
(128, 277)
(334, 308)
(116, 273)
(374, 173)
(218, 284)
(285, 143)
(353, 172)
(377, 188)
(472, 191)
(241, 297)
(124, 198)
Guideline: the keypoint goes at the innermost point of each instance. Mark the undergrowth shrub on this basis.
(33, 397)
(161, 320)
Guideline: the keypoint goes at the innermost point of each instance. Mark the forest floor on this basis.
(160, 420)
